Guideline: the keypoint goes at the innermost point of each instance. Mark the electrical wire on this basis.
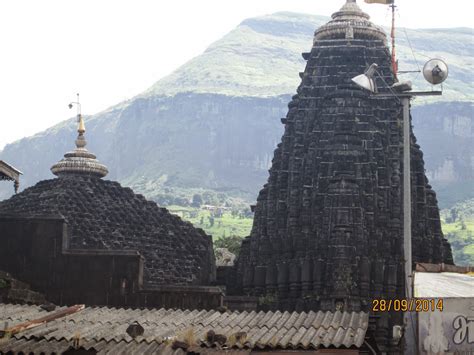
(411, 47)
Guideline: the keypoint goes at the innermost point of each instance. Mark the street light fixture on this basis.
(435, 72)
(366, 80)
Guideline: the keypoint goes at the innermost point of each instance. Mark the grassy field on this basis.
(218, 225)
(461, 236)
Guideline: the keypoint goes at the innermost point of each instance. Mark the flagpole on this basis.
(391, 3)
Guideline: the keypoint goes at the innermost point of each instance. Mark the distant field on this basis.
(218, 226)
(461, 236)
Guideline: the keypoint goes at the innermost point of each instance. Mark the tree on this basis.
(231, 243)
(197, 201)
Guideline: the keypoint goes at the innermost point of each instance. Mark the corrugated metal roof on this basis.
(104, 329)
(443, 284)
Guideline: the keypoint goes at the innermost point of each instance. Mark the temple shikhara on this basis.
(328, 226)
(327, 237)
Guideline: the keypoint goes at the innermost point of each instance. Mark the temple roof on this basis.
(102, 214)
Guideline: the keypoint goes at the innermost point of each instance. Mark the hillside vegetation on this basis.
(458, 227)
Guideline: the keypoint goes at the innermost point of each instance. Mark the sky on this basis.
(112, 50)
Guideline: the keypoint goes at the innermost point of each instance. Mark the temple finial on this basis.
(80, 161)
(81, 127)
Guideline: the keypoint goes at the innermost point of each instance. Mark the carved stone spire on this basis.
(80, 160)
(327, 231)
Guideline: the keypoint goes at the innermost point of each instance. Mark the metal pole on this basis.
(407, 195)
(410, 340)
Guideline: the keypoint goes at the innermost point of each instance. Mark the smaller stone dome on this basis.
(101, 214)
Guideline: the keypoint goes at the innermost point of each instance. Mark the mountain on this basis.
(213, 124)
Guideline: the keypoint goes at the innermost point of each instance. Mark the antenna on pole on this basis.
(81, 129)
(78, 104)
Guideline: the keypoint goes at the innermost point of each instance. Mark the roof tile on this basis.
(274, 319)
(104, 329)
(307, 337)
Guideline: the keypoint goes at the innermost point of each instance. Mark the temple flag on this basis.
(386, 2)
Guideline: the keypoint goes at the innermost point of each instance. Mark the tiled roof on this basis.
(105, 330)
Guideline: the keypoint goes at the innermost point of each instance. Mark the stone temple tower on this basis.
(328, 227)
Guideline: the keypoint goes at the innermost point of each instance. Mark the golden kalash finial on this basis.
(80, 161)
